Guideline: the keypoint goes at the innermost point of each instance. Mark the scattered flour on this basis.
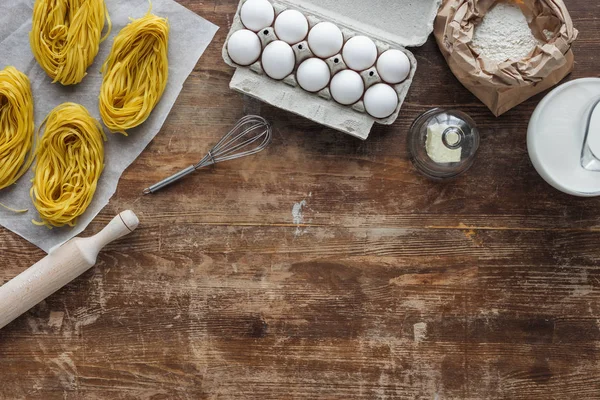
(298, 216)
(56, 319)
(297, 212)
(420, 331)
(504, 34)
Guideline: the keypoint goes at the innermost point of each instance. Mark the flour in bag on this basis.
(504, 34)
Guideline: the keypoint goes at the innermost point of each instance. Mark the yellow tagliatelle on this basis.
(135, 73)
(70, 160)
(16, 126)
(66, 35)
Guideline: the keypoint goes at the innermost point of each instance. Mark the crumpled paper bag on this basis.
(508, 84)
(189, 36)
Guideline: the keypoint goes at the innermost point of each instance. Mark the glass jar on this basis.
(443, 143)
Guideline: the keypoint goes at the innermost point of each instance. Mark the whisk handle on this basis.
(166, 182)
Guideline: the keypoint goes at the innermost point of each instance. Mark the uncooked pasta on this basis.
(66, 35)
(16, 126)
(135, 73)
(70, 160)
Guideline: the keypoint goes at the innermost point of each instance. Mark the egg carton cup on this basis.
(390, 24)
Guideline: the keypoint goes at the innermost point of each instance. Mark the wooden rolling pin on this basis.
(60, 267)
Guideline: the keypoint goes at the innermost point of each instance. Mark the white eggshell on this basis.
(278, 60)
(393, 66)
(360, 53)
(381, 100)
(257, 14)
(325, 40)
(244, 47)
(313, 75)
(347, 87)
(291, 26)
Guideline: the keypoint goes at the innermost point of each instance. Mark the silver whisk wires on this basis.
(251, 135)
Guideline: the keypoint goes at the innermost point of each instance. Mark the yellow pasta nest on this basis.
(66, 35)
(70, 160)
(135, 73)
(16, 126)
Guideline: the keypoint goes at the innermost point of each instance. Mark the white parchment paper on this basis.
(189, 37)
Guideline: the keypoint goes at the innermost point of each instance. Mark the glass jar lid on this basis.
(443, 143)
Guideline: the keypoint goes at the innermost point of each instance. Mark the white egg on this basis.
(244, 47)
(325, 40)
(291, 26)
(381, 100)
(257, 14)
(360, 53)
(393, 66)
(278, 60)
(313, 75)
(347, 87)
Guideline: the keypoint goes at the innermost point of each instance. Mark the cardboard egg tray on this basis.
(391, 24)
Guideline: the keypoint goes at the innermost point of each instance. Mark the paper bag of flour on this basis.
(502, 86)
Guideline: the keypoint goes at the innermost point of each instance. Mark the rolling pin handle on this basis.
(59, 268)
(121, 225)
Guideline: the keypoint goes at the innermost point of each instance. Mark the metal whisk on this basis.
(251, 135)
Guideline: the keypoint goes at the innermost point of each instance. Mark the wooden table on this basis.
(326, 267)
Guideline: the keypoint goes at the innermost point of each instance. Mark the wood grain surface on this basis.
(381, 284)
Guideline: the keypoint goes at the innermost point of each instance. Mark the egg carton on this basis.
(391, 24)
